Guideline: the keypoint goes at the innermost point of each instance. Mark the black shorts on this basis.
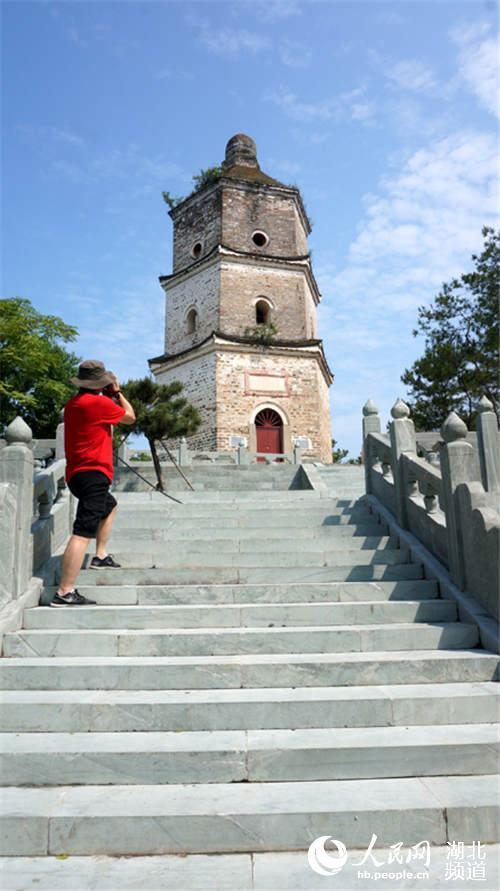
(95, 502)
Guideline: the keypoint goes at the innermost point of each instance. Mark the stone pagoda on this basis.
(241, 326)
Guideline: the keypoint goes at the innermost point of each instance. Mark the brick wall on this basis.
(201, 291)
(305, 402)
(201, 221)
(245, 209)
(287, 290)
(198, 379)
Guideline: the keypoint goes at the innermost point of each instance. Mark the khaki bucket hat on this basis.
(92, 375)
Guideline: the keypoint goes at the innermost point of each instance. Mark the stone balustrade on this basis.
(450, 503)
(185, 457)
(35, 520)
(52, 512)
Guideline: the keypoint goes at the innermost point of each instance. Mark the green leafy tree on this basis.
(35, 367)
(461, 330)
(161, 413)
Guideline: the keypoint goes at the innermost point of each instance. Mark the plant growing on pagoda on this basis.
(264, 334)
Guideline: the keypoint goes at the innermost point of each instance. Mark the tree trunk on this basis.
(157, 465)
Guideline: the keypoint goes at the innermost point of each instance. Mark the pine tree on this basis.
(461, 329)
(161, 413)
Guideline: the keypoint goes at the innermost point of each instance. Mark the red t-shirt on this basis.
(87, 433)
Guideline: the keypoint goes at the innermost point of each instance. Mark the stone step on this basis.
(233, 575)
(244, 614)
(217, 526)
(215, 818)
(160, 540)
(273, 871)
(279, 670)
(254, 756)
(234, 641)
(202, 504)
(170, 531)
(332, 592)
(245, 506)
(158, 554)
(294, 523)
(244, 500)
(78, 711)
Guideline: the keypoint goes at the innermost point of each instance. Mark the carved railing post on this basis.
(488, 446)
(60, 439)
(243, 455)
(371, 424)
(184, 456)
(402, 432)
(16, 468)
(122, 452)
(457, 458)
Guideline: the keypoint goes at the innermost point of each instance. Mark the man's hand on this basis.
(114, 386)
(113, 391)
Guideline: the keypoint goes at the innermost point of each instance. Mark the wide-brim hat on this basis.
(92, 375)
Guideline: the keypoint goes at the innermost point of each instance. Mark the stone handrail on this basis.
(52, 511)
(452, 508)
(35, 520)
(185, 457)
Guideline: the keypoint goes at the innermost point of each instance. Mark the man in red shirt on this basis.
(88, 420)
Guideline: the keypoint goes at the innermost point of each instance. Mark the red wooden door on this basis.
(269, 429)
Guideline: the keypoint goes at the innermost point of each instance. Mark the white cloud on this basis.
(123, 164)
(419, 229)
(66, 136)
(172, 74)
(363, 111)
(288, 168)
(74, 36)
(124, 341)
(277, 10)
(294, 54)
(232, 42)
(303, 111)
(411, 75)
(478, 60)
(351, 104)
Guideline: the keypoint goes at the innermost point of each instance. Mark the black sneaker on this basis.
(104, 563)
(74, 598)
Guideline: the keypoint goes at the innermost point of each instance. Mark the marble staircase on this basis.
(266, 668)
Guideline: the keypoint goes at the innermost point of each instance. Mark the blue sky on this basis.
(382, 113)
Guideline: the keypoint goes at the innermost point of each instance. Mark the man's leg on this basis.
(72, 563)
(103, 533)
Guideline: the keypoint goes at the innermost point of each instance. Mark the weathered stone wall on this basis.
(303, 400)
(287, 290)
(249, 208)
(201, 292)
(198, 379)
(199, 221)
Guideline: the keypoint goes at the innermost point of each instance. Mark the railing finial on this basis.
(18, 432)
(454, 428)
(370, 408)
(484, 405)
(400, 410)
